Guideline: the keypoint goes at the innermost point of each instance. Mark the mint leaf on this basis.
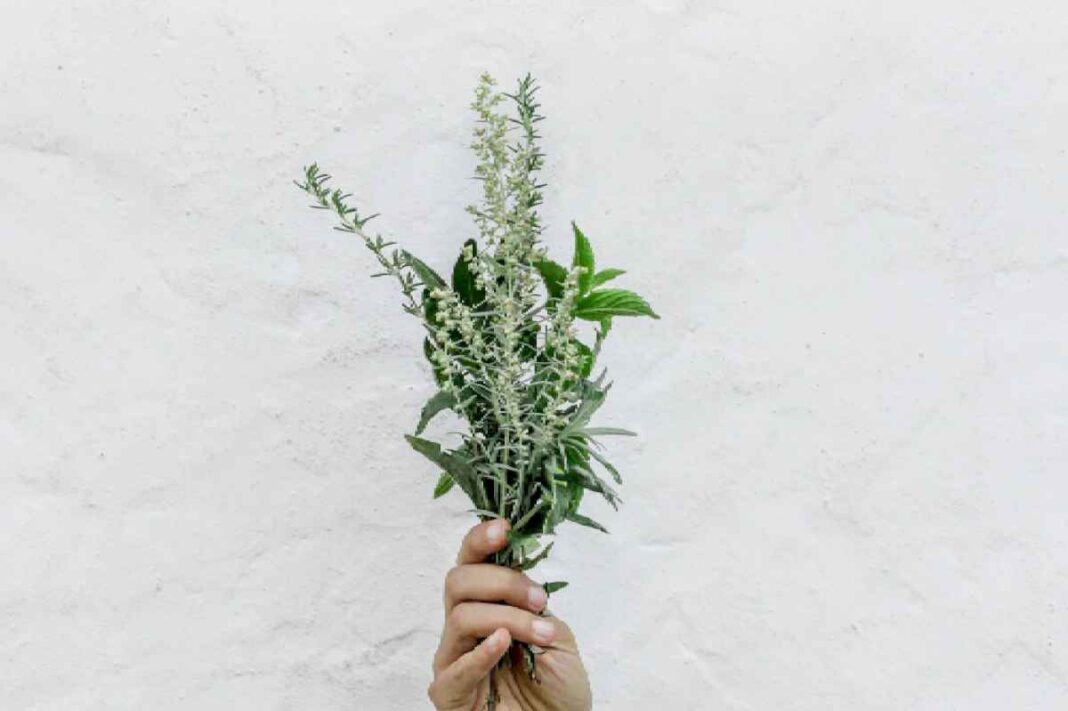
(604, 303)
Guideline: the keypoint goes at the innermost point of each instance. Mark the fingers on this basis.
(492, 583)
(483, 540)
(470, 621)
(458, 681)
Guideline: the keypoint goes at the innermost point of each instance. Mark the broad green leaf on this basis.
(428, 276)
(428, 351)
(442, 400)
(463, 279)
(430, 307)
(605, 275)
(552, 587)
(585, 521)
(553, 275)
(445, 482)
(603, 303)
(583, 258)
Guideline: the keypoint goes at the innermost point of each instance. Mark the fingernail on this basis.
(495, 532)
(537, 597)
(543, 630)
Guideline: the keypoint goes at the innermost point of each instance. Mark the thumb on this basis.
(459, 680)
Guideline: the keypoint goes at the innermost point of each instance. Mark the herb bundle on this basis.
(503, 341)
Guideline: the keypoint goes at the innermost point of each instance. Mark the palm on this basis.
(563, 686)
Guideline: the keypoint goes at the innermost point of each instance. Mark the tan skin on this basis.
(486, 607)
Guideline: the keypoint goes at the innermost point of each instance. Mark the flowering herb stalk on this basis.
(503, 341)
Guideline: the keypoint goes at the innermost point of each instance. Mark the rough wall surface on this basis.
(849, 491)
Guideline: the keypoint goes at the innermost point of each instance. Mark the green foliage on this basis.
(503, 339)
(603, 303)
(583, 259)
(444, 485)
(443, 400)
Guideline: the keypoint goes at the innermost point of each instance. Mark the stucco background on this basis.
(849, 490)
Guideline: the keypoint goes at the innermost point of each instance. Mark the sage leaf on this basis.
(442, 400)
(457, 467)
(585, 521)
(428, 276)
(602, 431)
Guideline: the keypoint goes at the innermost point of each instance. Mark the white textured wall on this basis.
(850, 488)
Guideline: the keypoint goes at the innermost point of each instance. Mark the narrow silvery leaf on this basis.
(586, 521)
(428, 276)
(442, 400)
(607, 465)
(602, 431)
(457, 467)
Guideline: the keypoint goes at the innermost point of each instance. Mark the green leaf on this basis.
(593, 396)
(552, 587)
(528, 341)
(586, 358)
(584, 521)
(445, 482)
(463, 279)
(457, 467)
(428, 351)
(583, 258)
(430, 308)
(442, 400)
(602, 431)
(553, 275)
(603, 303)
(607, 465)
(428, 276)
(531, 562)
(606, 275)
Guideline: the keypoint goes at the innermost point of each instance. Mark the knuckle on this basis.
(452, 578)
(517, 620)
(519, 584)
(457, 617)
(433, 692)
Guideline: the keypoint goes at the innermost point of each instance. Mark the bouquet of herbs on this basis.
(503, 341)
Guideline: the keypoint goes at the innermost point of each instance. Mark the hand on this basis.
(496, 605)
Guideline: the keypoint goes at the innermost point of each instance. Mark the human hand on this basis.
(497, 605)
